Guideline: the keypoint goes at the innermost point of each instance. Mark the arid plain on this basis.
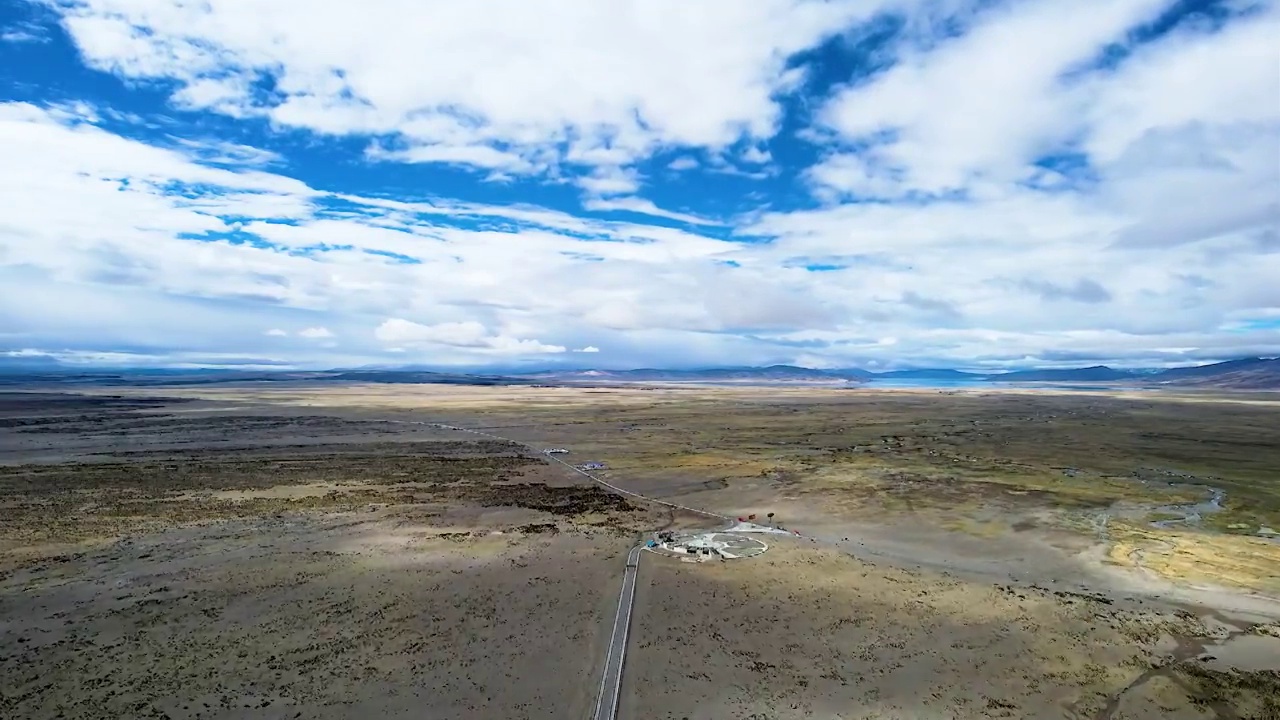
(289, 550)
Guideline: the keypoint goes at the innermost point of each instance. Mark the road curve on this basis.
(611, 679)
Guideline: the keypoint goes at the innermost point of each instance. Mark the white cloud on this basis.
(683, 163)
(1230, 79)
(859, 175)
(721, 164)
(612, 74)
(24, 32)
(95, 358)
(1164, 228)
(756, 156)
(461, 334)
(315, 333)
(469, 334)
(643, 207)
(221, 152)
(979, 107)
(479, 156)
(22, 36)
(1160, 234)
(609, 180)
(655, 295)
(221, 94)
(588, 349)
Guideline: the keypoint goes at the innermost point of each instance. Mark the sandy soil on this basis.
(802, 632)
(341, 616)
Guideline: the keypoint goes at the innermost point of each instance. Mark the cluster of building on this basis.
(666, 540)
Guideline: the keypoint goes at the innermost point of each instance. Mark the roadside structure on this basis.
(701, 547)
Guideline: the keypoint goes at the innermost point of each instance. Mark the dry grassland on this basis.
(309, 551)
(810, 633)
(1099, 465)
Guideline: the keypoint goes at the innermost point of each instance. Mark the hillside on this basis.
(928, 374)
(1246, 374)
(1096, 373)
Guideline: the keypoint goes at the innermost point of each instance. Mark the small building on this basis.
(592, 466)
(555, 451)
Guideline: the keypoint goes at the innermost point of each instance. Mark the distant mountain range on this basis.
(772, 373)
(1247, 373)
(1094, 373)
(1242, 374)
(924, 374)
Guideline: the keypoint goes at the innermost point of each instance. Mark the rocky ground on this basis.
(171, 560)
(802, 632)
(342, 616)
(294, 552)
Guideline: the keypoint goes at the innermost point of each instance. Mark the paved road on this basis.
(611, 680)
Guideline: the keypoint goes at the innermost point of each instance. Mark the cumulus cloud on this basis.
(469, 334)
(610, 75)
(961, 111)
(756, 156)
(610, 180)
(1034, 182)
(862, 176)
(588, 349)
(160, 220)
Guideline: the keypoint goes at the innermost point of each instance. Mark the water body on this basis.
(1191, 514)
(927, 384)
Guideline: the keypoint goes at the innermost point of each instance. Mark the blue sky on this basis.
(882, 183)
